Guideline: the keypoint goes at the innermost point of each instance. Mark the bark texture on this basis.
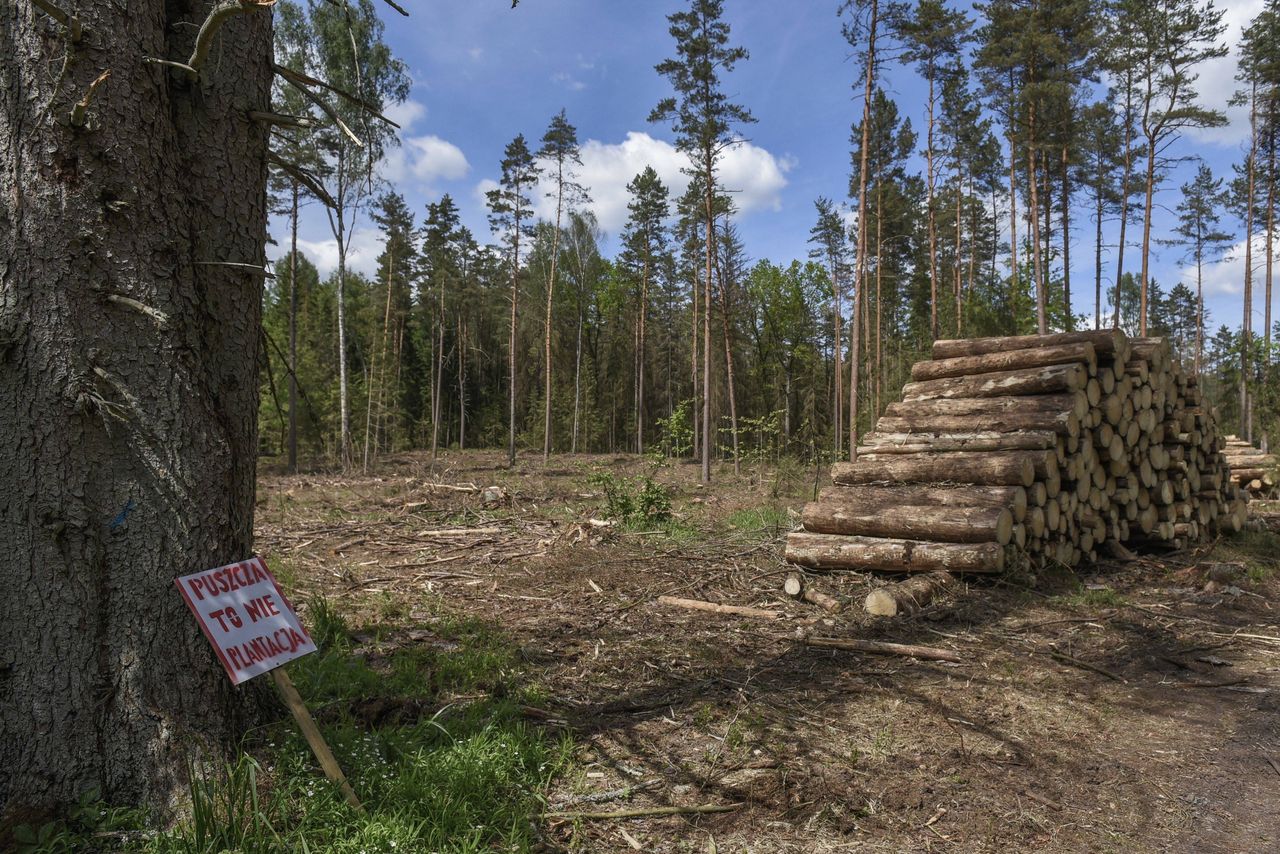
(128, 355)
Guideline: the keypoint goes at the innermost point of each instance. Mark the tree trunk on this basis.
(577, 380)
(128, 371)
(1006, 360)
(838, 348)
(1033, 211)
(1044, 380)
(551, 289)
(437, 382)
(879, 380)
(640, 348)
(1066, 244)
(293, 332)
(462, 384)
(1097, 261)
(1246, 325)
(992, 468)
(1126, 177)
(833, 551)
(931, 215)
(1146, 233)
(860, 256)
(709, 201)
(1013, 231)
(511, 340)
(728, 361)
(344, 403)
(909, 596)
(941, 524)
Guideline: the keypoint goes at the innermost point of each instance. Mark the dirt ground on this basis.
(1126, 709)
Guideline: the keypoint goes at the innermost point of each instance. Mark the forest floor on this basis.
(1123, 709)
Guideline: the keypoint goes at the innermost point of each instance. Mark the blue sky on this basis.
(483, 72)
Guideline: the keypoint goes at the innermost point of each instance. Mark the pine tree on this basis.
(441, 264)
(1198, 231)
(395, 269)
(561, 151)
(1099, 171)
(831, 245)
(509, 208)
(645, 246)
(703, 119)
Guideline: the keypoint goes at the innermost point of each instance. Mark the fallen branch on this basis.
(1071, 659)
(643, 812)
(927, 653)
(715, 608)
(795, 587)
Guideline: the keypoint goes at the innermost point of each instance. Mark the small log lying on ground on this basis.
(796, 588)
(834, 551)
(909, 596)
(716, 608)
(926, 653)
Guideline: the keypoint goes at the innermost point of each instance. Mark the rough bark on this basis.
(130, 435)
(968, 495)
(832, 551)
(1006, 360)
(1105, 343)
(943, 524)
(986, 440)
(1076, 403)
(1007, 468)
(1064, 424)
(1047, 380)
(908, 596)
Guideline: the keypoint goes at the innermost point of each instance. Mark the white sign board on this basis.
(246, 617)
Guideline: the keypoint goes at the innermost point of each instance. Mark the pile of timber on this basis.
(1252, 469)
(1017, 452)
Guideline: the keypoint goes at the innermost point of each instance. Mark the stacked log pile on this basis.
(1252, 469)
(1013, 453)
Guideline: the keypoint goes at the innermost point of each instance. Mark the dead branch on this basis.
(325, 108)
(255, 268)
(644, 811)
(74, 30)
(218, 16)
(182, 66)
(1070, 659)
(283, 119)
(715, 608)
(81, 108)
(927, 653)
(298, 78)
(303, 177)
(154, 313)
(397, 7)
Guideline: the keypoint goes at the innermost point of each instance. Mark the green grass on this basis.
(767, 522)
(1259, 551)
(1103, 597)
(467, 777)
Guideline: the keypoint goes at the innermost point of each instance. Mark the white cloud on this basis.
(406, 114)
(754, 176)
(1218, 81)
(424, 160)
(362, 255)
(1226, 276)
(567, 80)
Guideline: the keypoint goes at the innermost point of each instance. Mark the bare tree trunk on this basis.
(1013, 230)
(1097, 260)
(709, 165)
(838, 348)
(1146, 233)
(1266, 311)
(955, 255)
(728, 361)
(931, 215)
(1246, 326)
(879, 379)
(293, 332)
(860, 256)
(129, 350)
(640, 360)
(1126, 177)
(511, 342)
(344, 407)
(1033, 211)
(462, 384)
(577, 381)
(551, 289)
(437, 382)
(1066, 242)
(696, 409)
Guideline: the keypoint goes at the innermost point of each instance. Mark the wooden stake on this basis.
(312, 733)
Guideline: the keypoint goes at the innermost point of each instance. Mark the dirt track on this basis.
(1124, 711)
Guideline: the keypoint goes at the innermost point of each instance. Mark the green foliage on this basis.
(675, 433)
(89, 824)
(634, 501)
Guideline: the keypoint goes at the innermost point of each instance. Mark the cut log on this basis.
(796, 588)
(833, 551)
(1106, 342)
(1002, 468)
(910, 443)
(907, 597)
(915, 495)
(1008, 360)
(1075, 402)
(1063, 423)
(1056, 378)
(941, 524)
(716, 608)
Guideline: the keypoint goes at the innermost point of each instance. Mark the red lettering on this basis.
(233, 655)
(194, 584)
(272, 608)
(217, 615)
